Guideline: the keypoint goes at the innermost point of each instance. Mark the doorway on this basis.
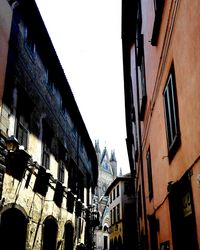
(182, 215)
(69, 236)
(50, 233)
(13, 229)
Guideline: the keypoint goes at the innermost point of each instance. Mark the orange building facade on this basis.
(161, 44)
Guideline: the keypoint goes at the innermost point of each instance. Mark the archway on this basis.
(50, 231)
(13, 229)
(69, 236)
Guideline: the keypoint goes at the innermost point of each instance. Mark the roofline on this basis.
(50, 57)
(114, 183)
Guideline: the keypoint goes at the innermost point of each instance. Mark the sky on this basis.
(86, 35)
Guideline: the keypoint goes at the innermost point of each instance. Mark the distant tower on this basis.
(107, 167)
(113, 163)
(97, 149)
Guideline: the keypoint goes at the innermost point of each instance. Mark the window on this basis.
(117, 190)
(24, 110)
(149, 173)
(114, 215)
(111, 218)
(61, 156)
(22, 131)
(141, 75)
(139, 16)
(158, 7)
(61, 171)
(46, 139)
(110, 197)
(45, 156)
(118, 212)
(171, 115)
(105, 166)
(113, 194)
(140, 62)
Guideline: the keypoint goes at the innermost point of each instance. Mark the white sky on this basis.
(87, 38)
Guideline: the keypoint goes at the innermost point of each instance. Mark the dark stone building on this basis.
(50, 174)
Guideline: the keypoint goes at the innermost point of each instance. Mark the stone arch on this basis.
(69, 236)
(50, 231)
(13, 227)
(14, 205)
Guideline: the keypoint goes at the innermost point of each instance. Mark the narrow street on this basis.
(61, 191)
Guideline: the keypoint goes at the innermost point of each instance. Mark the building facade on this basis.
(122, 219)
(107, 172)
(161, 81)
(48, 164)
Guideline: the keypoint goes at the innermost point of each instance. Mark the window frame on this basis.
(149, 174)
(118, 190)
(23, 117)
(61, 171)
(45, 156)
(113, 194)
(141, 73)
(118, 213)
(114, 215)
(170, 101)
(110, 197)
(22, 132)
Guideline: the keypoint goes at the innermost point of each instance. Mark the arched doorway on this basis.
(69, 236)
(13, 230)
(50, 231)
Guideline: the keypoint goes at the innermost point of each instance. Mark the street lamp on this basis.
(12, 143)
(16, 159)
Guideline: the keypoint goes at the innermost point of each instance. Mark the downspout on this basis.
(141, 158)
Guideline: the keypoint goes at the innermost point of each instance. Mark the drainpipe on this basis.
(146, 247)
